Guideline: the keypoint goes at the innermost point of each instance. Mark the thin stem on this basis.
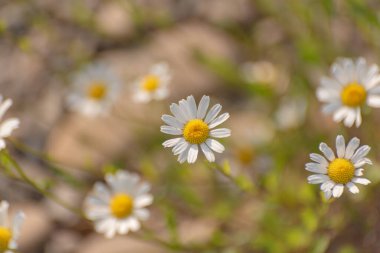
(48, 194)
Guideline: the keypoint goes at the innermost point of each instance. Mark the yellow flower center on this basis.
(341, 171)
(121, 205)
(97, 90)
(245, 156)
(150, 83)
(353, 94)
(5, 238)
(196, 131)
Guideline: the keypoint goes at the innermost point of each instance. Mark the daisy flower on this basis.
(353, 85)
(6, 127)
(344, 169)
(94, 90)
(195, 125)
(118, 206)
(154, 85)
(9, 233)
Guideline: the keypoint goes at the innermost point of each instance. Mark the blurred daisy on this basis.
(341, 170)
(353, 85)
(94, 90)
(195, 125)
(290, 113)
(6, 127)
(153, 85)
(9, 233)
(118, 207)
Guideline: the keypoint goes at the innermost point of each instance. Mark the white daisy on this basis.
(353, 85)
(118, 207)
(344, 169)
(6, 127)
(196, 128)
(9, 233)
(153, 85)
(94, 90)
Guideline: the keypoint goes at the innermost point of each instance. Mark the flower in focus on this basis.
(118, 206)
(195, 125)
(9, 233)
(6, 127)
(353, 85)
(153, 85)
(94, 90)
(344, 169)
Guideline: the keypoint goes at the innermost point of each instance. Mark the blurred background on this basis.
(260, 59)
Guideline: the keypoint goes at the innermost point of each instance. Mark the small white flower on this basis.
(9, 233)
(344, 169)
(154, 85)
(95, 89)
(353, 85)
(118, 207)
(6, 127)
(195, 126)
(291, 113)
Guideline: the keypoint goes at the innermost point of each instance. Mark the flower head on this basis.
(154, 85)
(9, 233)
(6, 127)
(195, 125)
(341, 170)
(118, 206)
(353, 85)
(94, 90)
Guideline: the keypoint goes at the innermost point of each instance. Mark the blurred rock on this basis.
(36, 228)
(114, 20)
(196, 230)
(99, 244)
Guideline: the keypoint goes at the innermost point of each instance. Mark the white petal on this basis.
(171, 142)
(185, 109)
(4, 205)
(352, 188)
(362, 162)
(8, 126)
(319, 159)
(328, 194)
(373, 101)
(220, 133)
(192, 106)
(358, 120)
(142, 214)
(207, 152)
(337, 190)
(193, 153)
(316, 168)
(171, 121)
(340, 114)
(143, 201)
(327, 151)
(360, 153)
(183, 156)
(174, 108)
(214, 111)
(215, 145)
(4, 106)
(317, 179)
(134, 224)
(142, 97)
(340, 146)
(181, 146)
(360, 180)
(327, 95)
(327, 185)
(2, 144)
(331, 107)
(351, 147)
(219, 120)
(351, 117)
(202, 108)
(359, 172)
(171, 130)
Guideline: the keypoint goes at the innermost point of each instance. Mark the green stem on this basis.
(48, 194)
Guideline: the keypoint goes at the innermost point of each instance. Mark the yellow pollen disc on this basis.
(353, 94)
(341, 171)
(97, 90)
(121, 205)
(245, 156)
(150, 83)
(196, 131)
(5, 238)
